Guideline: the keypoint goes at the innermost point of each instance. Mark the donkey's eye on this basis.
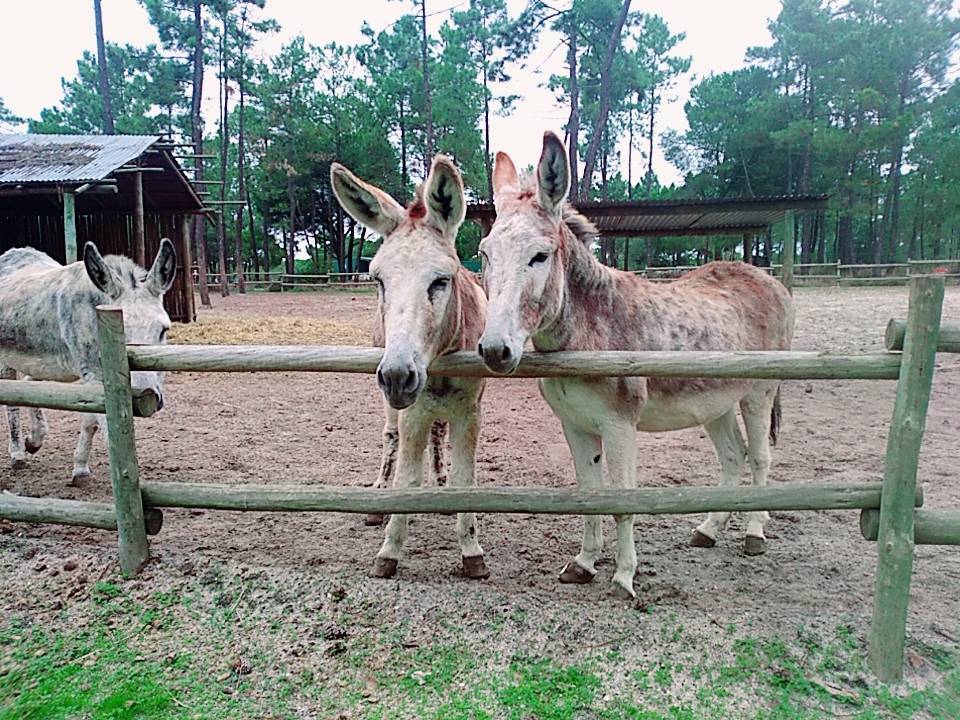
(537, 259)
(438, 285)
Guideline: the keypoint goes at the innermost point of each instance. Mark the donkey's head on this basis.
(415, 269)
(139, 293)
(523, 264)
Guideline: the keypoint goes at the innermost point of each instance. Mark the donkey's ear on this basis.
(100, 273)
(164, 269)
(443, 196)
(368, 205)
(553, 174)
(505, 176)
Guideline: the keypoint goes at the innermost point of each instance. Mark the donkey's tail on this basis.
(775, 416)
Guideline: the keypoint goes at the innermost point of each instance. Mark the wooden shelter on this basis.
(123, 192)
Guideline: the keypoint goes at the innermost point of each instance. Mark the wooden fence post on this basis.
(786, 254)
(895, 540)
(124, 469)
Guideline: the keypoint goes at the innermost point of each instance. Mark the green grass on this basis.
(168, 655)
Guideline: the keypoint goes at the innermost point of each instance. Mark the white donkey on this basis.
(545, 284)
(48, 328)
(429, 305)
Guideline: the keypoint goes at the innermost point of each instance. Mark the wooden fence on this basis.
(887, 508)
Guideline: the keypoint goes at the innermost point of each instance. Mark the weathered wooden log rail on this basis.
(784, 365)
(636, 501)
(888, 511)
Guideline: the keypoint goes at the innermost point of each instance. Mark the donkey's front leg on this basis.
(89, 424)
(620, 447)
(38, 429)
(18, 454)
(464, 431)
(587, 451)
(414, 431)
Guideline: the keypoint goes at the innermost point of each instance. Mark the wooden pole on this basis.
(86, 397)
(69, 228)
(930, 527)
(139, 242)
(319, 498)
(186, 263)
(787, 365)
(948, 342)
(895, 544)
(786, 255)
(124, 470)
(70, 512)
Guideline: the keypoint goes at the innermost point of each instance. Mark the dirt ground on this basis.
(314, 428)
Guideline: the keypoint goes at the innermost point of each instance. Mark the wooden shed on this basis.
(123, 192)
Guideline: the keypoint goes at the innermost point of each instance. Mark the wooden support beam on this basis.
(788, 365)
(789, 248)
(896, 533)
(124, 468)
(656, 501)
(139, 241)
(947, 342)
(930, 527)
(185, 258)
(69, 228)
(78, 397)
(70, 512)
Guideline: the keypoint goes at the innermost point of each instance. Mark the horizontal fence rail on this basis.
(655, 501)
(930, 527)
(78, 397)
(69, 512)
(786, 365)
(947, 342)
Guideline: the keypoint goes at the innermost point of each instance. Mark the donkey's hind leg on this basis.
(731, 450)
(18, 454)
(757, 408)
(89, 424)
(388, 460)
(38, 430)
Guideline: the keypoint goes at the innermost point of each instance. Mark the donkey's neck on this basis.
(589, 298)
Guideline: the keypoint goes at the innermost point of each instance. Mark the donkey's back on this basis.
(21, 258)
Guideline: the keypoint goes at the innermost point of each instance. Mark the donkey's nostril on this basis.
(480, 349)
(411, 384)
(505, 355)
(380, 381)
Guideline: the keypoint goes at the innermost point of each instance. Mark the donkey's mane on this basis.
(584, 230)
(128, 272)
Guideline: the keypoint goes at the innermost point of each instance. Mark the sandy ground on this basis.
(303, 428)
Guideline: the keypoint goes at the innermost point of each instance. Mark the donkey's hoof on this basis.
(475, 568)
(384, 568)
(619, 592)
(701, 541)
(31, 447)
(574, 574)
(80, 478)
(754, 545)
(17, 463)
(373, 519)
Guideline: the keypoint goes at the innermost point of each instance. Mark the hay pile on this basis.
(269, 331)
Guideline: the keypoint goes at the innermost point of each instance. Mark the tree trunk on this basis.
(653, 111)
(253, 237)
(241, 180)
(598, 132)
(224, 146)
(102, 76)
(404, 177)
(199, 222)
(427, 102)
(292, 201)
(267, 266)
(486, 133)
(573, 125)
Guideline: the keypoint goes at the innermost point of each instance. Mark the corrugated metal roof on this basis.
(67, 158)
(640, 218)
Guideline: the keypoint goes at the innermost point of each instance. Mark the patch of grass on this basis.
(542, 689)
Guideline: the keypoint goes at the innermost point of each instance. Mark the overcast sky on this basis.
(718, 35)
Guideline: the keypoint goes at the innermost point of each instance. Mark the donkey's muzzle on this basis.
(498, 357)
(401, 384)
